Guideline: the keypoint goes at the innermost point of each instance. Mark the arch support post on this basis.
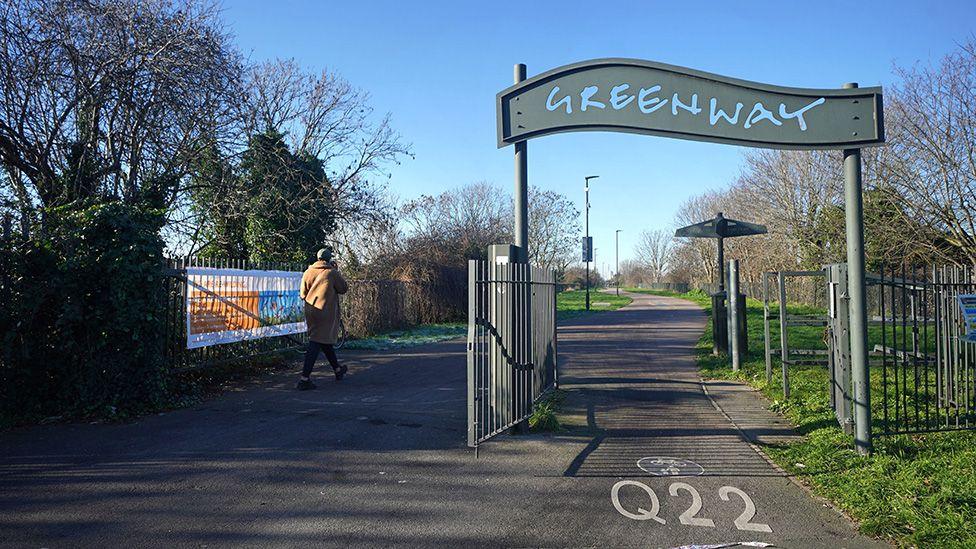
(522, 327)
(857, 296)
(521, 188)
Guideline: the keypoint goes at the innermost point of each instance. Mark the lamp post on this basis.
(586, 216)
(616, 260)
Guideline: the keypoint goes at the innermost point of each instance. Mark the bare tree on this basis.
(369, 250)
(459, 224)
(324, 117)
(654, 252)
(575, 277)
(553, 229)
(108, 97)
(634, 273)
(694, 259)
(685, 266)
(929, 169)
(310, 166)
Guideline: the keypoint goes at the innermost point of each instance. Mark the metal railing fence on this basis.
(918, 339)
(922, 365)
(775, 295)
(178, 356)
(371, 306)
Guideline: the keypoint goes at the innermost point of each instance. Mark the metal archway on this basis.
(646, 97)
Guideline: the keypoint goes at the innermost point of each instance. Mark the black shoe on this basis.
(305, 385)
(340, 371)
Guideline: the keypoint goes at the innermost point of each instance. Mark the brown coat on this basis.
(321, 286)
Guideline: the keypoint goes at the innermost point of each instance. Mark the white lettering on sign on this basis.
(677, 104)
(690, 516)
(647, 106)
(564, 101)
(715, 113)
(760, 113)
(798, 114)
(620, 101)
(647, 102)
(586, 94)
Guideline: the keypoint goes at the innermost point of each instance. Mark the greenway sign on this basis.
(630, 95)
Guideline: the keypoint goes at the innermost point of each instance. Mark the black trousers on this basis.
(312, 353)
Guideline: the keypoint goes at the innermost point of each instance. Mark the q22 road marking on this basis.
(690, 516)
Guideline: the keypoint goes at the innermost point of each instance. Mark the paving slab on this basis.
(379, 460)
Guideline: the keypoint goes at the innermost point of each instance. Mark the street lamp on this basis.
(586, 246)
(616, 260)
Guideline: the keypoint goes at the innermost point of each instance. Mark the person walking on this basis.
(321, 286)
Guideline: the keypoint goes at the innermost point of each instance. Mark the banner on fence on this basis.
(967, 302)
(228, 305)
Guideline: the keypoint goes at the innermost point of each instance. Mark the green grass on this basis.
(915, 490)
(572, 304)
(545, 413)
(419, 335)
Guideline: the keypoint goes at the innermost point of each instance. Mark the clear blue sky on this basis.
(436, 66)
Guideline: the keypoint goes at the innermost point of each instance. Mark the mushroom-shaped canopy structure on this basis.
(720, 227)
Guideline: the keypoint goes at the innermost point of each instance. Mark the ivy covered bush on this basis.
(82, 315)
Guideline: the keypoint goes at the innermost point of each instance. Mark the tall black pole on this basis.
(586, 246)
(720, 325)
(721, 264)
(857, 295)
(520, 298)
(587, 249)
(521, 188)
(616, 261)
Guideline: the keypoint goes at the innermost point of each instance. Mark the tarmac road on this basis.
(379, 460)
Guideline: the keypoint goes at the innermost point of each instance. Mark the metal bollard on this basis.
(735, 304)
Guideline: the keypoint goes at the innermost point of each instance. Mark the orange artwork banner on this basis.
(229, 305)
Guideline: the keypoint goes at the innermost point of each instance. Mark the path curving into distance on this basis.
(653, 426)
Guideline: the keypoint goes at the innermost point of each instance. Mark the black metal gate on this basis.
(927, 366)
(922, 362)
(511, 344)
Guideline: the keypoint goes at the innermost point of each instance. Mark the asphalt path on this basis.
(380, 459)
